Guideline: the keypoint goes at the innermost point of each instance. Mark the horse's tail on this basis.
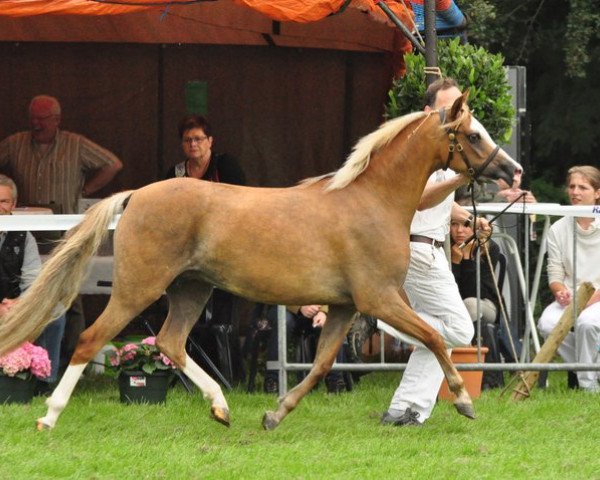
(61, 276)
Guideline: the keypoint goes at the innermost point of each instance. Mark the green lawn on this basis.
(553, 435)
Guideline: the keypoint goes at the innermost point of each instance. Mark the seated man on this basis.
(19, 265)
(309, 318)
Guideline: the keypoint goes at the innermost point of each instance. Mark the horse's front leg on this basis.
(339, 320)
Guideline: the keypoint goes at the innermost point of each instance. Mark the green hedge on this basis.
(474, 68)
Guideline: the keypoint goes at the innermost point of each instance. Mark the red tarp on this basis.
(298, 11)
(282, 10)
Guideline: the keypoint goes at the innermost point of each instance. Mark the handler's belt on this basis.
(424, 239)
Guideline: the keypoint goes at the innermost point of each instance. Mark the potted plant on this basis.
(19, 372)
(144, 372)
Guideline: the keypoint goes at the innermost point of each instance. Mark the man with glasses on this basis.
(20, 264)
(55, 168)
(52, 166)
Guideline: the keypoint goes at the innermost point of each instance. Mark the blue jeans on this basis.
(50, 339)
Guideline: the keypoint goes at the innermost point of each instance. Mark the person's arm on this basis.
(436, 192)
(511, 194)
(32, 263)
(557, 244)
(561, 293)
(102, 164)
(593, 299)
(101, 178)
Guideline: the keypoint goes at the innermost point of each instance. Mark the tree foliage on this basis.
(474, 68)
(558, 41)
(519, 26)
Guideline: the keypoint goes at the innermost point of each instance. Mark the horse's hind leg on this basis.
(187, 297)
(113, 319)
(335, 329)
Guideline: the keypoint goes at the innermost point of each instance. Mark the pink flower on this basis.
(142, 355)
(27, 358)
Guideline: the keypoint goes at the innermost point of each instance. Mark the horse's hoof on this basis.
(221, 415)
(40, 426)
(269, 421)
(465, 409)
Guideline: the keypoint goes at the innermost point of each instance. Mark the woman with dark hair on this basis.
(200, 160)
(581, 345)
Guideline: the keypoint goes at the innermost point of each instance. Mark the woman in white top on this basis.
(580, 346)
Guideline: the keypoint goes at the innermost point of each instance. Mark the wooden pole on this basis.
(431, 59)
(550, 346)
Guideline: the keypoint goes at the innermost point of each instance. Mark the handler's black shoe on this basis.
(408, 418)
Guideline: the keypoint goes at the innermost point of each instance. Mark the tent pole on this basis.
(430, 42)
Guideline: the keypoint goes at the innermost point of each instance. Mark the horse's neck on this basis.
(403, 167)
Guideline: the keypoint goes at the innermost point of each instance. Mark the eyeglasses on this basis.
(41, 119)
(192, 140)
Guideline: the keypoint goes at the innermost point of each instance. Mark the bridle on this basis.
(456, 146)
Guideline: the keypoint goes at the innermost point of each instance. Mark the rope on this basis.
(501, 303)
(433, 71)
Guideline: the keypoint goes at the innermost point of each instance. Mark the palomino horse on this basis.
(341, 240)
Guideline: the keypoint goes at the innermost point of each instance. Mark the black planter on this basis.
(140, 387)
(16, 390)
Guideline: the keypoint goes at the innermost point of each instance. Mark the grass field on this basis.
(553, 435)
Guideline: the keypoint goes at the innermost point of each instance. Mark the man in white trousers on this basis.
(429, 283)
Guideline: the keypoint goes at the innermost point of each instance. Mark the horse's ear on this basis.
(458, 104)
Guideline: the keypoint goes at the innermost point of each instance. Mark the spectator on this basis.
(429, 283)
(50, 165)
(220, 314)
(55, 167)
(307, 318)
(464, 269)
(580, 345)
(200, 161)
(19, 266)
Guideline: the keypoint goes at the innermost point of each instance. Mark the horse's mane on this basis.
(360, 157)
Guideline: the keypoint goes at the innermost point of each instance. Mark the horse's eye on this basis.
(474, 137)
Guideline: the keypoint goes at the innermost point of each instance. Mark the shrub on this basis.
(474, 68)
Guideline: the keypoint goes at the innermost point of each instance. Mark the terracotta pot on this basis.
(472, 379)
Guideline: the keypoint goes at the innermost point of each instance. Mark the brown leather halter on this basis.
(455, 145)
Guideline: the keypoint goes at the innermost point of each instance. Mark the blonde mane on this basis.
(360, 157)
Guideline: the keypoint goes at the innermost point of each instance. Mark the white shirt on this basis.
(434, 222)
(560, 253)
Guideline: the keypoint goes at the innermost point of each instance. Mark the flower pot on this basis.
(472, 379)
(140, 387)
(16, 390)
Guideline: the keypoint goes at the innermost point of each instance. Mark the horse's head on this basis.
(470, 149)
